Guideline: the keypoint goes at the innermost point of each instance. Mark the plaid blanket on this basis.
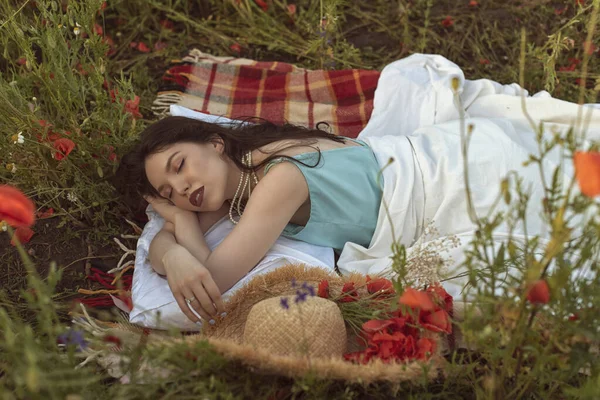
(278, 92)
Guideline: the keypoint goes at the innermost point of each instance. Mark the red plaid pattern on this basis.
(278, 92)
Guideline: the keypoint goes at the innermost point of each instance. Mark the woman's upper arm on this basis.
(271, 206)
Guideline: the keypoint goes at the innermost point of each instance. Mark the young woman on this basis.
(326, 190)
(194, 172)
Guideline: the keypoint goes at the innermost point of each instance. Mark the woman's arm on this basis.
(187, 277)
(270, 208)
(190, 232)
(162, 242)
(273, 203)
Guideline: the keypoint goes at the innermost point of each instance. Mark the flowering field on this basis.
(77, 81)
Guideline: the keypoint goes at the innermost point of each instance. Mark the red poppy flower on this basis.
(143, 48)
(22, 61)
(23, 234)
(448, 22)
(64, 147)
(98, 30)
(437, 321)
(165, 23)
(416, 299)
(82, 70)
(132, 107)
(560, 10)
(262, 4)
(539, 292)
(113, 93)
(158, 46)
(16, 209)
(425, 348)
(133, 45)
(379, 285)
(236, 48)
(473, 3)
(439, 296)
(350, 293)
(112, 339)
(43, 123)
(579, 2)
(574, 317)
(376, 325)
(291, 9)
(45, 214)
(587, 172)
(323, 289)
(484, 61)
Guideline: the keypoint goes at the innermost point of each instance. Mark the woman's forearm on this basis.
(162, 242)
(189, 235)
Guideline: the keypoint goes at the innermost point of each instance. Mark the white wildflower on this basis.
(72, 197)
(77, 29)
(18, 138)
(14, 169)
(3, 226)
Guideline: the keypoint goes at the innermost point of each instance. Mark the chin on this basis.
(188, 207)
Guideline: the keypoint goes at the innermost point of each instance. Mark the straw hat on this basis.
(313, 327)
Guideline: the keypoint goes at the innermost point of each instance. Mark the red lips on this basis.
(196, 197)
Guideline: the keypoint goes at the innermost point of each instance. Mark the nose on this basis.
(181, 187)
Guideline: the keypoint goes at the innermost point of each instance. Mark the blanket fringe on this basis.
(163, 102)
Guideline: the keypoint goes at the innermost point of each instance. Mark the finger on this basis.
(150, 199)
(196, 307)
(214, 293)
(185, 309)
(202, 300)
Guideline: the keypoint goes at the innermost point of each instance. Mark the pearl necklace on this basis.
(244, 181)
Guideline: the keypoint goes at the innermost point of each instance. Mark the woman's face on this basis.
(192, 176)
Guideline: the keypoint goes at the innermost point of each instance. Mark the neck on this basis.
(236, 174)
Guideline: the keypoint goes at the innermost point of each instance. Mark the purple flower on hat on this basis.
(305, 290)
(300, 296)
(284, 303)
(309, 288)
(74, 337)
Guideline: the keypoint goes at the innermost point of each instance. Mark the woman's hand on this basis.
(167, 210)
(189, 279)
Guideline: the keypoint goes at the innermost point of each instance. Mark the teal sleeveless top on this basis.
(344, 196)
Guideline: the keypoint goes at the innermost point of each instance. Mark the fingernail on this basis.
(212, 322)
(223, 314)
(199, 323)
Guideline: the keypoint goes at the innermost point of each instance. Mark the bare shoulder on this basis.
(283, 177)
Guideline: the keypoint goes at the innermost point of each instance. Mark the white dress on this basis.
(416, 122)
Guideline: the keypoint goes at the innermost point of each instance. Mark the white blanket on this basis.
(415, 121)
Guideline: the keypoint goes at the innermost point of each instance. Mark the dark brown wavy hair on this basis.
(238, 138)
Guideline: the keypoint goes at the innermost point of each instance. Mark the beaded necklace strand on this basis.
(244, 182)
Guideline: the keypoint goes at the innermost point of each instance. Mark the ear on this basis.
(218, 144)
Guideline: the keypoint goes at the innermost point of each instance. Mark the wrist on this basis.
(171, 254)
(184, 216)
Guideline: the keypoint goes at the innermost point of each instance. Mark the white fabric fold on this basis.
(416, 122)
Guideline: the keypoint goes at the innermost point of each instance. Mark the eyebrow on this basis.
(161, 187)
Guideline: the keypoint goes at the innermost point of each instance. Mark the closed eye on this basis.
(181, 165)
